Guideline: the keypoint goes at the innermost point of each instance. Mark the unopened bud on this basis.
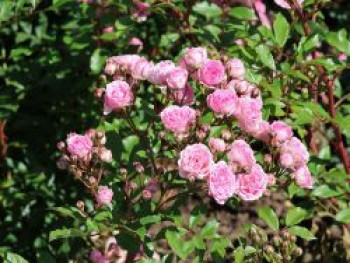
(162, 135)
(269, 249)
(255, 93)
(101, 137)
(226, 135)
(92, 180)
(99, 93)
(206, 127)
(138, 167)
(201, 135)
(268, 158)
(146, 194)
(62, 163)
(242, 87)
(123, 171)
(286, 234)
(80, 205)
(61, 146)
(298, 251)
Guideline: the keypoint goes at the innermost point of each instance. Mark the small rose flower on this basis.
(118, 95)
(176, 78)
(211, 73)
(342, 56)
(184, 96)
(135, 41)
(252, 185)
(79, 145)
(158, 74)
(104, 195)
(119, 64)
(241, 156)
(178, 119)
(217, 145)
(235, 68)
(249, 108)
(106, 155)
(280, 131)
(223, 102)
(195, 57)
(222, 182)
(141, 69)
(195, 162)
(293, 154)
(303, 178)
(285, 4)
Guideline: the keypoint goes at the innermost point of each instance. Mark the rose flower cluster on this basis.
(228, 168)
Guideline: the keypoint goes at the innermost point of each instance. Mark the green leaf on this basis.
(219, 246)
(238, 255)
(269, 216)
(325, 191)
(281, 30)
(97, 61)
(343, 216)
(295, 215)
(243, 13)
(181, 248)
(339, 40)
(302, 232)
(265, 56)
(150, 219)
(210, 229)
(65, 233)
(207, 10)
(15, 258)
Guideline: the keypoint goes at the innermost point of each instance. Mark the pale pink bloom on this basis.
(158, 74)
(104, 195)
(252, 185)
(222, 182)
(108, 29)
(184, 96)
(303, 178)
(195, 162)
(241, 156)
(280, 131)
(249, 110)
(120, 64)
(342, 56)
(271, 179)
(178, 119)
(217, 145)
(118, 95)
(211, 73)
(106, 155)
(293, 154)
(260, 8)
(141, 12)
(135, 41)
(79, 145)
(141, 69)
(176, 78)
(223, 102)
(285, 4)
(195, 57)
(240, 42)
(235, 68)
(96, 256)
(262, 132)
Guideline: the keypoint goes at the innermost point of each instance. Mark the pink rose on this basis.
(217, 145)
(211, 73)
(96, 256)
(303, 178)
(223, 102)
(241, 156)
(293, 154)
(135, 41)
(262, 131)
(342, 56)
(79, 145)
(119, 64)
(222, 182)
(176, 78)
(104, 195)
(141, 12)
(253, 184)
(195, 57)
(141, 69)
(178, 119)
(235, 68)
(280, 131)
(108, 29)
(260, 8)
(285, 4)
(118, 95)
(184, 96)
(249, 108)
(195, 162)
(106, 155)
(158, 74)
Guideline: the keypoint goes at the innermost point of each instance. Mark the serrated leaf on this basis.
(65, 233)
(302, 232)
(325, 191)
(209, 10)
(265, 56)
(209, 230)
(243, 13)
(269, 216)
(281, 30)
(295, 215)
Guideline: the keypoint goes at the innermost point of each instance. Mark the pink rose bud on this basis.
(184, 96)
(195, 57)
(241, 156)
(252, 185)
(141, 69)
(303, 178)
(217, 145)
(235, 68)
(285, 4)
(108, 29)
(158, 74)
(62, 163)
(226, 135)
(152, 186)
(268, 158)
(280, 131)
(271, 179)
(61, 146)
(222, 182)
(342, 56)
(79, 145)
(141, 12)
(223, 102)
(240, 42)
(260, 8)
(211, 73)
(135, 41)
(106, 155)
(146, 194)
(195, 162)
(293, 154)
(99, 93)
(176, 78)
(104, 195)
(178, 119)
(118, 95)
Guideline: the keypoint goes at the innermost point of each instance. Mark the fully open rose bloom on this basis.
(252, 185)
(177, 78)
(235, 68)
(223, 102)
(195, 57)
(195, 162)
(104, 195)
(211, 73)
(241, 156)
(158, 74)
(280, 131)
(303, 178)
(222, 182)
(293, 154)
(141, 69)
(118, 95)
(178, 119)
(79, 145)
(285, 4)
